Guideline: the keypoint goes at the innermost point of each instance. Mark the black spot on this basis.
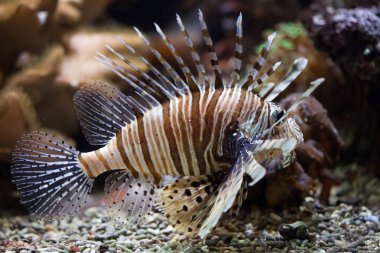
(145, 193)
(185, 208)
(208, 189)
(279, 115)
(195, 184)
(199, 226)
(139, 185)
(187, 192)
(136, 192)
(189, 229)
(152, 191)
(202, 181)
(199, 199)
(170, 197)
(175, 191)
(178, 222)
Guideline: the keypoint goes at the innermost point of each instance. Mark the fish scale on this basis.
(182, 145)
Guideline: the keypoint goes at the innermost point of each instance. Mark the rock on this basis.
(50, 237)
(296, 230)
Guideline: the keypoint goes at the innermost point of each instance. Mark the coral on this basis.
(52, 79)
(27, 27)
(315, 159)
(47, 95)
(79, 64)
(17, 117)
(322, 146)
(352, 37)
(292, 42)
(22, 28)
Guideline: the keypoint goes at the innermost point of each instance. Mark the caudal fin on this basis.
(48, 176)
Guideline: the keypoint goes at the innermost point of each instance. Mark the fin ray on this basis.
(202, 76)
(218, 81)
(102, 111)
(184, 201)
(129, 199)
(298, 66)
(50, 184)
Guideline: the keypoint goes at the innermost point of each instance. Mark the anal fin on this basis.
(129, 199)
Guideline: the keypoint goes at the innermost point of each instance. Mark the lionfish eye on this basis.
(279, 115)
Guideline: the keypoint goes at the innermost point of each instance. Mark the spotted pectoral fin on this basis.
(185, 202)
(225, 196)
(227, 192)
(240, 197)
(129, 200)
(255, 171)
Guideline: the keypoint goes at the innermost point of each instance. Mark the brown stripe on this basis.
(213, 128)
(145, 150)
(169, 132)
(196, 126)
(129, 132)
(101, 158)
(85, 166)
(183, 119)
(120, 148)
(257, 66)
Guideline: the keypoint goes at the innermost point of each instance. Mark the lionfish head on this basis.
(284, 126)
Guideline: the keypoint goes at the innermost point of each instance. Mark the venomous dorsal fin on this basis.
(235, 75)
(218, 82)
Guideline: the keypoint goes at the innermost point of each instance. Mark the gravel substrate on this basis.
(311, 228)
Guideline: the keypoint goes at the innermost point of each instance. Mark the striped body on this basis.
(183, 137)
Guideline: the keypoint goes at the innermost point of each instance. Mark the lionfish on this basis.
(209, 134)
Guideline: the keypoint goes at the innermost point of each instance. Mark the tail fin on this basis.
(48, 176)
